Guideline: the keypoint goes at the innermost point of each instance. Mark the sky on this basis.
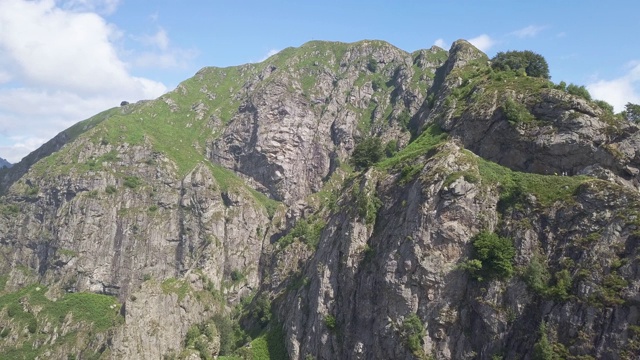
(62, 61)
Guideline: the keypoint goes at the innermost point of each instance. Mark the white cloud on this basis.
(618, 92)
(63, 67)
(269, 54)
(19, 146)
(529, 31)
(160, 39)
(100, 6)
(441, 43)
(483, 42)
(160, 53)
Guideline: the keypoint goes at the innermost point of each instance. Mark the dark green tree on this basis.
(367, 152)
(632, 112)
(494, 254)
(533, 64)
(542, 350)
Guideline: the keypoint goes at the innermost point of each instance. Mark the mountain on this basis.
(336, 201)
(4, 163)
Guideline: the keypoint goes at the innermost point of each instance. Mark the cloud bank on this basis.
(59, 65)
(619, 91)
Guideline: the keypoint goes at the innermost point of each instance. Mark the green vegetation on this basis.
(516, 113)
(132, 182)
(331, 323)
(306, 230)
(492, 257)
(533, 64)
(367, 152)
(236, 276)
(632, 112)
(515, 185)
(367, 203)
(270, 345)
(412, 331)
(10, 209)
(175, 286)
(110, 189)
(579, 91)
(93, 312)
(543, 350)
(422, 145)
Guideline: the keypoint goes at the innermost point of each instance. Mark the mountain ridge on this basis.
(230, 211)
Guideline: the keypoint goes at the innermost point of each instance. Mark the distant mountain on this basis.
(5, 163)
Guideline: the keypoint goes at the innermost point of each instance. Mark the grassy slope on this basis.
(31, 316)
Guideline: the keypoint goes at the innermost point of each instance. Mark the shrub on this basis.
(261, 310)
(543, 350)
(536, 275)
(237, 275)
(516, 113)
(132, 182)
(372, 65)
(632, 112)
(33, 325)
(110, 189)
(608, 108)
(413, 332)
(330, 323)
(579, 91)
(391, 148)
(367, 152)
(533, 64)
(492, 257)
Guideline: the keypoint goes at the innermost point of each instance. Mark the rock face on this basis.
(158, 228)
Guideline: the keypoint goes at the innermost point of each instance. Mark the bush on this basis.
(33, 325)
(516, 113)
(330, 323)
(543, 350)
(413, 332)
(632, 112)
(391, 148)
(533, 64)
(608, 108)
(492, 257)
(367, 152)
(236, 275)
(110, 189)
(536, 276)
(579, 91)
(132, 182)
(372, 65)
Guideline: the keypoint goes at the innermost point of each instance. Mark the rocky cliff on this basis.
(501, 221)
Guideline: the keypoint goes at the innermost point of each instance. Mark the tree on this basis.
(533, 64)
(632, 112)
(492, 256)
(542, 350)
(368, 152)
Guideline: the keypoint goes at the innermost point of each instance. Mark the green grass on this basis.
(175, 286)
(546, 188)
(270, 345)
(428, 140)
(97, 312)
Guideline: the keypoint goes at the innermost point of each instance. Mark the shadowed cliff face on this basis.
(232, 200)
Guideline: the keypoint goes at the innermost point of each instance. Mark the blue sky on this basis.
(62, 61)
